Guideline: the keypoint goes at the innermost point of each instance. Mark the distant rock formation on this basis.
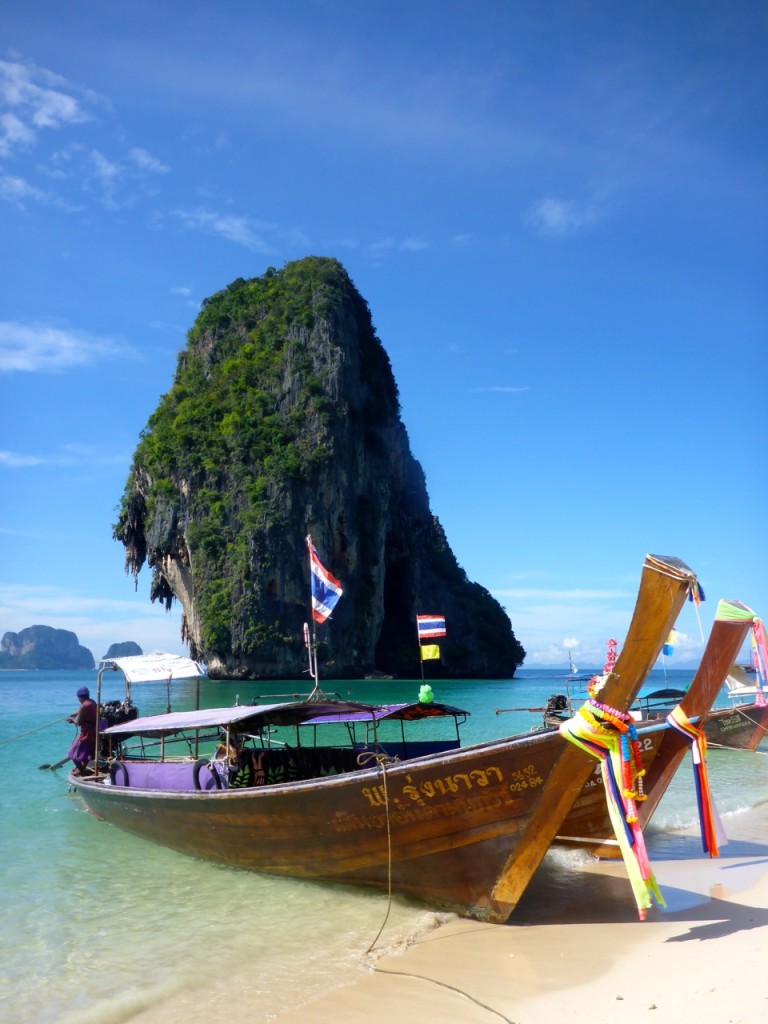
(127, 649)
(43, 647)
(283, 420)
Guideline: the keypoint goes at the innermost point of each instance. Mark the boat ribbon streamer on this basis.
(610, 735)
(712, 832)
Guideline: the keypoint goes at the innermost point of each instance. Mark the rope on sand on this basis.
(451, 988)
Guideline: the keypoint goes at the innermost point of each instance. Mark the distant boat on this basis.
(745, 723)
(739, 727)
(573, 673)
(157, 667)
(743, 684)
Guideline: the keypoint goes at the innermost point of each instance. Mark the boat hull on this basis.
(662, 748)
(463, 830)
(588, 824)
(438, 828)
(738, 728)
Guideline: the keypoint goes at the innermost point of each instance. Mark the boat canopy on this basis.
(740, 683)
(668, 693)
(252, 717)
(157, 667)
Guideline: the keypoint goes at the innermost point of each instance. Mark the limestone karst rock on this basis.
(124, 649)
(283, 420)
(43, 647)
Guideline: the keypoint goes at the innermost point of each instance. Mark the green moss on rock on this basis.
(283, 419)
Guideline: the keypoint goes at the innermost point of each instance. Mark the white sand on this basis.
(703, 958)
(705, 961)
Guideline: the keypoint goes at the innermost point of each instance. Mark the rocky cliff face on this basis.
(43, 647)
(283, 420)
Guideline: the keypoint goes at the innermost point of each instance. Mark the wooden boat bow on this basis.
(664, 585)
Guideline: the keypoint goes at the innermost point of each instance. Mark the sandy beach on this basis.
(586, 959)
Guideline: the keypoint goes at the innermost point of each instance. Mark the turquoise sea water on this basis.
(96, 925)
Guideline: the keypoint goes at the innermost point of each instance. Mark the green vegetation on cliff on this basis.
(283, 418)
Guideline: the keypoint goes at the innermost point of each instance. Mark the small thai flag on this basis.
(326, 589)
(430, 626)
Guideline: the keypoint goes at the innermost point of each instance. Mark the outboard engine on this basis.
(115, 712)
(557, 709)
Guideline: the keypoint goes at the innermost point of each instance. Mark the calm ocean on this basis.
(95, 924)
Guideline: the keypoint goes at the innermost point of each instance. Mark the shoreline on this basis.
(584, 954)
(706, 957)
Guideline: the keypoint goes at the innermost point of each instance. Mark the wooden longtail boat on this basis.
(741, 727)
(588, 824)
(462, 829)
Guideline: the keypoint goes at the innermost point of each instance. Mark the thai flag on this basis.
(430, 626)
(326, 589)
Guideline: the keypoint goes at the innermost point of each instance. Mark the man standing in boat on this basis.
(84, 746)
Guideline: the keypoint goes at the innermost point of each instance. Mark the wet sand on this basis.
(704, 956)
(586, 958)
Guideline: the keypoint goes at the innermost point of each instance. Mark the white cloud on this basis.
(35, 99)
(413, 245)
(14, 133)
(237, 229)
(105, 170)
(561, 217)
(17, 190)
(575, 594)
(146, 161)
(36, 348)
(97, 621)
(67, 455)
(13, 460)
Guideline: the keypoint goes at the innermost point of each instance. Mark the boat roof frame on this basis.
(253, 717)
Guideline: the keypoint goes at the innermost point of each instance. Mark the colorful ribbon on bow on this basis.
(759, 660)
(610, 735)
(712, 831)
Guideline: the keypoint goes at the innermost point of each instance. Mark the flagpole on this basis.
(418, 640)
(325, 591)
(311, 639)
(308, 645)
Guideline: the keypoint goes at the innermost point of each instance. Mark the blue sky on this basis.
(556, 212)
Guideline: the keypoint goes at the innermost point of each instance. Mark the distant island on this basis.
(127, 649)
(43, 647)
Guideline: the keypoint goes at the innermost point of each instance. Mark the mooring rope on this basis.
(37, 728)
(737, 750)
(381, 760)
(451, 988)
(745, 750)
(757, 725)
